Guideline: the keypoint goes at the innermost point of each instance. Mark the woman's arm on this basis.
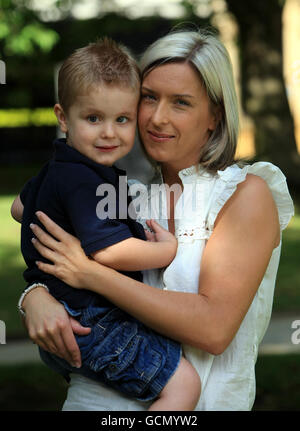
(233, 264)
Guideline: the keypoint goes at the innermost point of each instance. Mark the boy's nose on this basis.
(107, 131)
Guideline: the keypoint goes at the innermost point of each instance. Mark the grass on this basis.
(287, 295)
(31, 387)
(278, 383)
(11, 269)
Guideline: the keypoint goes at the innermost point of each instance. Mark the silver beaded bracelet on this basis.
(27, 290)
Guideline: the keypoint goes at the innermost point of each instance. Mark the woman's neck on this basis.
(170, 178)
(170, 175)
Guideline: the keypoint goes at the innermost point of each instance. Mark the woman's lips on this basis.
(159, 137)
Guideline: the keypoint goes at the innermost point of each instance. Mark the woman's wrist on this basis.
(92, 277)
(23, 301)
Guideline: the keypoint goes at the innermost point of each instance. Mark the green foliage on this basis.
(31, 387)
(278, 383)
(189, 6)
(21, 33)
(287, 294)
(32, 35)
(27, 117)
(4, 30)
(12, 268)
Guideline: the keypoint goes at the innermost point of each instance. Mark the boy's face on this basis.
(101, 124)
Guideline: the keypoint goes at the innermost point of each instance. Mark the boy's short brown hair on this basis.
(102, 62)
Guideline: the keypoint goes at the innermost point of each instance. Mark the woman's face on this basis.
(175, 117)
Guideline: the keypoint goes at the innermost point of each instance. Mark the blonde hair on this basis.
(209, 57)
(102, 62)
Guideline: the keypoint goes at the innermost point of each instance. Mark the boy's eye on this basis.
(92, 118)
(122, 120)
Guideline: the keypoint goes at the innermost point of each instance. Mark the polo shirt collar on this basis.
(64, 153)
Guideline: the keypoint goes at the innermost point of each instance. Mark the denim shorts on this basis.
(121, 352)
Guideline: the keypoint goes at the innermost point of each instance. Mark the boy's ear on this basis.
(61, 117)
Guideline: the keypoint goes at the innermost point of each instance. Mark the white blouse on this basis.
(228, 380)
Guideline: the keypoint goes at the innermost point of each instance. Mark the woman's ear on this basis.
(61, 117)
(216, 117)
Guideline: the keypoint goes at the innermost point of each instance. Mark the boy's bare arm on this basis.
(134, 254)
(17, 209)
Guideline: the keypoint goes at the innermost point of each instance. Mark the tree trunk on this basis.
(264, 96)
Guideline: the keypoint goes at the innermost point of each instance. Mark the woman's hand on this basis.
(50, 326)
(70, 263)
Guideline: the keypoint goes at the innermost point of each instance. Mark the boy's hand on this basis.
(159, 234)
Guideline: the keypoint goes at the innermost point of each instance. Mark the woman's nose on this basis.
(107, 131)
(160, 115)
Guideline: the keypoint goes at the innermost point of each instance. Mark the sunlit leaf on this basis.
(26, 117)
(4, 30)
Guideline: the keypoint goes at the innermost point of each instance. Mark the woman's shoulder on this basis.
(252, 202)
(254, 189)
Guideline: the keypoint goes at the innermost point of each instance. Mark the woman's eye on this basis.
(148, 97)
(182, 102)
(92, 118)
(122, 120)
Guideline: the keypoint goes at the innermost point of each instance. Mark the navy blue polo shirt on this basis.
(65, 189)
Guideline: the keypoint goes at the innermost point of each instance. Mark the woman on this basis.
(216, 296)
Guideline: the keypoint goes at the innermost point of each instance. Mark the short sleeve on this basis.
(77, 188)
(25, 190)
(229, 179)
(34, 183)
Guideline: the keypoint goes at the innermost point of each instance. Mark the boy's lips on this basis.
(107, 149)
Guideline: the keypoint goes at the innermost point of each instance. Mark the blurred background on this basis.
(263, 39)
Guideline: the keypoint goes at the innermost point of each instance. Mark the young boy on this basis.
(98, 90)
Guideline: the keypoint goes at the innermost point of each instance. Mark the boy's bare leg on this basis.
(182, 391)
